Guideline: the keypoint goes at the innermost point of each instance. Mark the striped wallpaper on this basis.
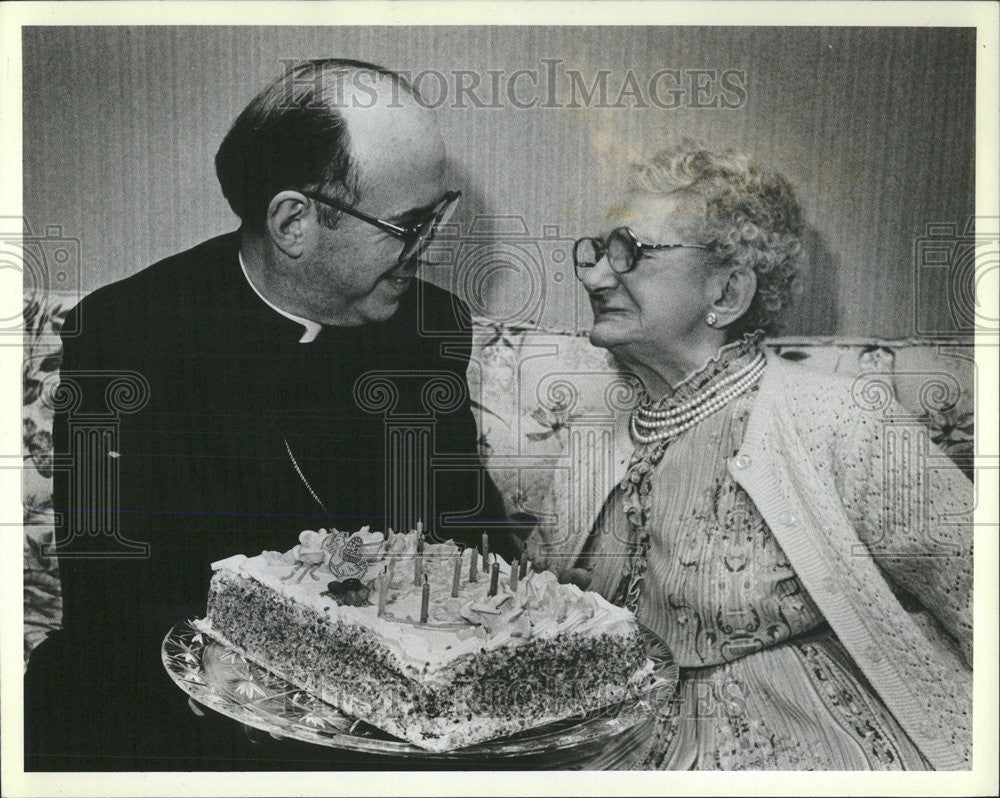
(874, 126)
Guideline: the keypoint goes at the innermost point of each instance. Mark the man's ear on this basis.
(289, 217)
(734, 295)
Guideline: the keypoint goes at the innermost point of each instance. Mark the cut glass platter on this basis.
(225, 681)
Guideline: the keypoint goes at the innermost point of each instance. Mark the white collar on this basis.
(312, 328)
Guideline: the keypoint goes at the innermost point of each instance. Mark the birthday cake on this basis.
(432, 644)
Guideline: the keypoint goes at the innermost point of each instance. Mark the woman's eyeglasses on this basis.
(622, 248)
(416, 237)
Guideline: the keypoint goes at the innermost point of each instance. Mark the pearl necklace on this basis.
(646, 412)
(648, 426)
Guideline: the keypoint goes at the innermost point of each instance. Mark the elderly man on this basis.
(260, 383)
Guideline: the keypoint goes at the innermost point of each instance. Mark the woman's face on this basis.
(663, 301)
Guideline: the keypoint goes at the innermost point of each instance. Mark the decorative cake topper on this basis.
(350, 556)
(309, 554)
(346, 556)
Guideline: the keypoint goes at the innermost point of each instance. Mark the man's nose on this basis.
(600, 276)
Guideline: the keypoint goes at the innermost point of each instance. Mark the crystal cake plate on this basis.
(223, 680)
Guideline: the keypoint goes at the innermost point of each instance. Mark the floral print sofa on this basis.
(545, 403)
(543, 400)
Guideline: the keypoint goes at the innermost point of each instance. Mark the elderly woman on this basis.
(762, 526)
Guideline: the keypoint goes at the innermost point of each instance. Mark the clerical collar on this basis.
(311, 328)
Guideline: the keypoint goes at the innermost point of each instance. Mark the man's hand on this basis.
(581, 577)
(519, 528)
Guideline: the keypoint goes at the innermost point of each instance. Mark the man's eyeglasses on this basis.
(622, 248)
(416, 237)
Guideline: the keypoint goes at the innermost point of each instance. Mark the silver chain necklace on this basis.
(302, 476)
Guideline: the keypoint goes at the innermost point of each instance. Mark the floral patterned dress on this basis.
(765, 683)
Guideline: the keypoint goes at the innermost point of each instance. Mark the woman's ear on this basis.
(734, 295)
(288, 216)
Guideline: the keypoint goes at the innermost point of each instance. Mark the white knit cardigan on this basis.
(871, 515)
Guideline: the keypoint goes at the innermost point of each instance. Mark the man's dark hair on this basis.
(292, 136)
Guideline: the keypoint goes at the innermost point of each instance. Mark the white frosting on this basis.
(472, 622)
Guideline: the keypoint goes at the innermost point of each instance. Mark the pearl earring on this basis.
(710, 319)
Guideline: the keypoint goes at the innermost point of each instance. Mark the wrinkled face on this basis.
(351, 274)
(664, 299)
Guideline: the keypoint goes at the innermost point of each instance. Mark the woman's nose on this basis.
(599, 276)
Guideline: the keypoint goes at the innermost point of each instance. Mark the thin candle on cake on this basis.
(494, 577)
(425, 600)
(418, 565)
(486, 552)
(473, 566)
(456, 578)
(383, 591)
(515, 568)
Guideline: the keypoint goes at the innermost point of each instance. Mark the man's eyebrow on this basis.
(413, 214)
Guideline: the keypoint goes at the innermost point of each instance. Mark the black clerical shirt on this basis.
(187, 405)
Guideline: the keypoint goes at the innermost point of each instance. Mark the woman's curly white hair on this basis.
(751, 219)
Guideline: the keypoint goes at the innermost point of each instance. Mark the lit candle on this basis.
(473, 567)
(418, 566)
(494, 578)
(425, 599)
(383, 591)
(457, 576)
(515, 568)
(486, 551)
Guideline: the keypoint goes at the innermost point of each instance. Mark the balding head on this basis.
(297, 134)
(332, 168)
(394, 143)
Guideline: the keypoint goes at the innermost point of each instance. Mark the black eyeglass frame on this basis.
(417, 232)
(636, 246)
